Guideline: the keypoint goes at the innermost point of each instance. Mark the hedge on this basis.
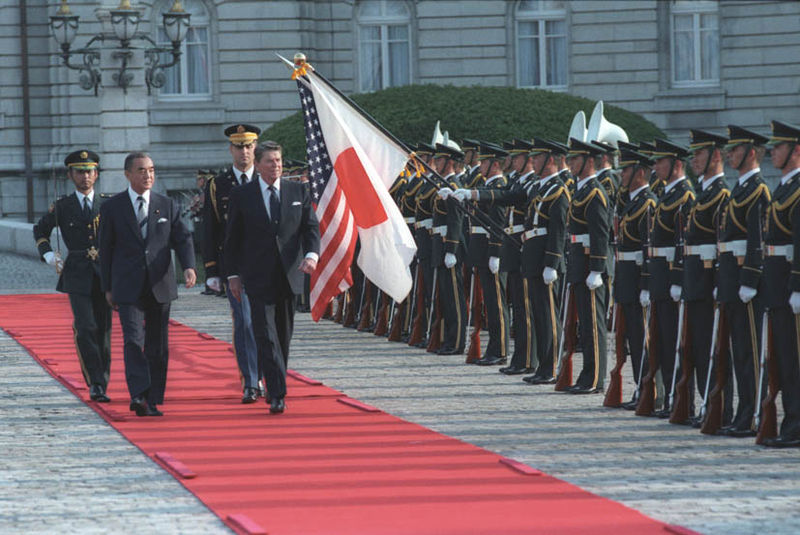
(485, 113)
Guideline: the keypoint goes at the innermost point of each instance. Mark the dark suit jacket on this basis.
(127, 262)
(267, 257)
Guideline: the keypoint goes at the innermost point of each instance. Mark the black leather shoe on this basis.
(491, 361)
(139, 405)
(450, 351)
(250, 395)
(630, 405)
(512, 370)
(97, 393)
(696, 422)
(782, 442)
(277, 406)
(663, 413)
(540, 380)
(736, 433)
(586, 390)
(152, 410)
(208, 291)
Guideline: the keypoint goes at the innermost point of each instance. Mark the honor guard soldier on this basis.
(586, 270)
(423, 215)
(656, 184)
(242, 138)
(543, 265)
(782, 278)
(607, 176)
(77, 218)
(408, 207)
(485, 251)
(447, 252)
(700, 258)
(740, 261)
(665, 274)
(515, 197)
(631, 283)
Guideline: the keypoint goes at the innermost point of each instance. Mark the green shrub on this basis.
(485, 113)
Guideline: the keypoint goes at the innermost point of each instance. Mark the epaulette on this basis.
(106, 195)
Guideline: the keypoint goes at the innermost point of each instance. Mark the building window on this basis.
(695, 43)
(190, 78)
(541, 27)
(384, 44)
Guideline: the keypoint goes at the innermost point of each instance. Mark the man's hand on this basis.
(449, 260)
(549, 275)
(444, 193)
(110, 301)
(675, 292)
(235, 286)
(644, 298)
(462, 195)
(594, 280)
(308, 265)
(214, 283)
(794, 302)
(52, 259)
(746, 293)
(190, 276)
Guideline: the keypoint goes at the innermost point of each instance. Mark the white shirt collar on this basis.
(785, 178)
(632, 195)
(492, 179)
(248, 173)
(526, 176)
(135, 196)
(707, 182)
(582, 182)
(80, 197)
(545, 179)
(744, 177)
(669, 187)
(265, 186)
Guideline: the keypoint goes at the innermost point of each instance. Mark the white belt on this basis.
(786, 251)
(478, 230)
(583, 239)
(534, 233)
(514, 229)
(440, 230)
(737, 247)
(631, 256)
(410, 220)
(667, 253)
(706, 251)
(425, 223)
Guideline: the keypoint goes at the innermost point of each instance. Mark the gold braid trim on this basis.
(212, 192)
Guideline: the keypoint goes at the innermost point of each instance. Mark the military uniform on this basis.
(740, 263)
(78, 218)
(782, 284)
(664, 263)
(422, 234)
(588, 253)
(408, 207)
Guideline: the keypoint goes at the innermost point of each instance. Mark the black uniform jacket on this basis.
(588, 215)
(782, 277)
(630, 275)
(671, 211)
(547, 209)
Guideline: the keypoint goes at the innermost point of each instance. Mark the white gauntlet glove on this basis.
(644, 298)
(794, 301)
(449, 260)
(746, 293)
(214, 283)
(444, 193)
(594, 280)
(675, 292)
(549, 275)
(494, 264)
(462, 195)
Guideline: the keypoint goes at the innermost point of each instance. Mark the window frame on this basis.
(696, 10)
(383, 22)
(541, 17)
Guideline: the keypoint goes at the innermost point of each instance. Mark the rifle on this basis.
(767, 417)
(398, 317)
(349, 319)
(340, 302)
(681, 394)
(637, 393)
(566, 346)
(476, 317)
(382, 317)
(415, 338)
(365, 308)
(614, 393)
(435, 319)
(647, 390)
(716, 401)
(714, 328)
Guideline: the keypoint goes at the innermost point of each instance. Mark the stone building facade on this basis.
(681, 63)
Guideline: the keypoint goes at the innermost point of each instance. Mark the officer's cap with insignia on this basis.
(490, 151)
(742, 136)
(629, 157)
(444, 151)
(82, 160)
(542, 145)
(242, 134)
(520, 146)
(627, 146)
(667, 149)
(605, 147)
(470, 144)
(783, 133)
(704, 140)
(579, 148)
(646, 148)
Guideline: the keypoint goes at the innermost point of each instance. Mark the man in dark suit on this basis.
(138, 230)
(272, 238)
(77, 218)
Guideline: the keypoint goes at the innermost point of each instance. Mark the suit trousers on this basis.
(546, 312)
(92, 327)
(454, 306)
(634, 334)
(494, 299)
(273, 325)
(524, 336)
(591, 307)
(744, 320)
(146, 352)
(786, 347)
(244, 342)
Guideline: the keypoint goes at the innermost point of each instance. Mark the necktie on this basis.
(243, 178)
(87, 212)
(274, 205)
(141, 217)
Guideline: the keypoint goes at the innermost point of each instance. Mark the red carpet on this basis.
(329, 465)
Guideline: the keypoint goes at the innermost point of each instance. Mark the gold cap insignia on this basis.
(240, 129)
(84, 155)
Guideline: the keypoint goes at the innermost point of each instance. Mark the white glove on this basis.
(644, 298)
(494, 264)
(794, 300)
(594, 280)
(549, 275)
(449, 260)
(714, 294)
(675, 292)
(50, 258)
(444, 193)
(462, 194)
(746, 293)
(214, 283)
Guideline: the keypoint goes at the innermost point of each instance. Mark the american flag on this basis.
(336, 223)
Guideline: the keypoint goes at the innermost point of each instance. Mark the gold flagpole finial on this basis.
(64, 9)
(301, 68)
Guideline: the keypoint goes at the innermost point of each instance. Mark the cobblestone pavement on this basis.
(714, 485)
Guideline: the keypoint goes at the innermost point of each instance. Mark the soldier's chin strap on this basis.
(544, 164)
(711, 150)
(583, 166)
(792, 146)
(744, 157)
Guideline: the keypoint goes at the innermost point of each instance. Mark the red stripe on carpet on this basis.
(329, 465)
